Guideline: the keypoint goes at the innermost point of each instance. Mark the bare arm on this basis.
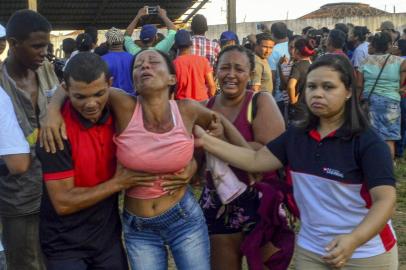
(204, 118)
(211, 84)
(383, 207)
(360, 83)
(268, 123)
(246, 159)
(130, 28)
(68, 199)
(292, 83)
(162, 14)
(53, 130)
(18, 163)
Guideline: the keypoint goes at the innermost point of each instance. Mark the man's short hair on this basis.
(92, 31)
(24, 22)
(263, 36)
(84, 42)
(343, 27)
(306, 29)
(337, 38)
(85, 67)
(199, 25)
(68, 45)
(279, 30)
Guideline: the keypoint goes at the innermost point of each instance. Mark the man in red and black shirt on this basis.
(80, 226)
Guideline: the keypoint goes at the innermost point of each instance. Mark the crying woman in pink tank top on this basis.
(154, 137)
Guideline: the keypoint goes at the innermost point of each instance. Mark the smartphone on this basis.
(152, 10)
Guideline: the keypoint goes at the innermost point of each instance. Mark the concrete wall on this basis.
(372, 22)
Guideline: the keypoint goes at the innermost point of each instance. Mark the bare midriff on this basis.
(153, 207)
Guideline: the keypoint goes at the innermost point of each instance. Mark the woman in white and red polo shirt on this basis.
(341, 172)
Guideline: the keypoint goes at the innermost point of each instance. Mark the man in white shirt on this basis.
(14, 149)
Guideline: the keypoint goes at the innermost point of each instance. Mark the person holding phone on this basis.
(148, 33)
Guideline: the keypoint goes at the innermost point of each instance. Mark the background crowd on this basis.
(272, 128)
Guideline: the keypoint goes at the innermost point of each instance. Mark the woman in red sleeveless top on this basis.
(229, 224)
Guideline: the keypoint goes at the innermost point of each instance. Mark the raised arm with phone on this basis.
(148, 31)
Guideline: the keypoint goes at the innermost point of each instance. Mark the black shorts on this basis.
(238, 216)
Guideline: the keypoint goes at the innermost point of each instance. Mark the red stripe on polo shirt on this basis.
(290, 197)
(387, 237)
(366, 196)
(316, 135)
(58, 175)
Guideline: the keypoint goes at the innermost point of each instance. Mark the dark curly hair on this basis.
(250, 55)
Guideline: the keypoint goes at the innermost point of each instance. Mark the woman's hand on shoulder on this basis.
(53, 131)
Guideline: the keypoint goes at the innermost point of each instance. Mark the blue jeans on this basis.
(182, 228)
(384, 114)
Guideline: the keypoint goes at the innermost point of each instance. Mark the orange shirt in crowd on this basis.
(191, 71)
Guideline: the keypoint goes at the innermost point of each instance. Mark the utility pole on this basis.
(32, 5)
(232, 15)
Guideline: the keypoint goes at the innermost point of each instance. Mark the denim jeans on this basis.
(182, 228)
(384, 114)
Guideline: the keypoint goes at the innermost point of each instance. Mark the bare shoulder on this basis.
(187, 105)
(265, 98)
(119, 99)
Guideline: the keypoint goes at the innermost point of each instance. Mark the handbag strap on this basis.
(377, 78)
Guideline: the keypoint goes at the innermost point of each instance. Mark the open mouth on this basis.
(146, 76)
(230, 84)
(91, 112)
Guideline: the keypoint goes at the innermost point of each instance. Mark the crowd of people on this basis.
(278, 128)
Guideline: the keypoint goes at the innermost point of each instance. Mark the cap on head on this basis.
(387, 25)
(183, 38)
(148, 33)
(2, 31)
(114, 36)
(228, 36)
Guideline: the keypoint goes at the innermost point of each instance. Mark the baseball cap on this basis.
(2, 31)
(183, 38)
(227, 36)
(386, 25)
(148, 32)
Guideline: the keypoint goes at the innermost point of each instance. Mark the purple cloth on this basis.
(273, 228)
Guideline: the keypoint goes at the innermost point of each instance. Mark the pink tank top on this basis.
(160, 153)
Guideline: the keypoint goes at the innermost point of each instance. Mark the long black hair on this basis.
(355, 120)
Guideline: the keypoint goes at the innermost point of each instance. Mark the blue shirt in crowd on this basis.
(119, 64)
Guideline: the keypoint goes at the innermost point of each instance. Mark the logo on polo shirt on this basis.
(333, 172)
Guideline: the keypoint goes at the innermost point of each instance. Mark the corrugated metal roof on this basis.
(103, 14)
(341, 10)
